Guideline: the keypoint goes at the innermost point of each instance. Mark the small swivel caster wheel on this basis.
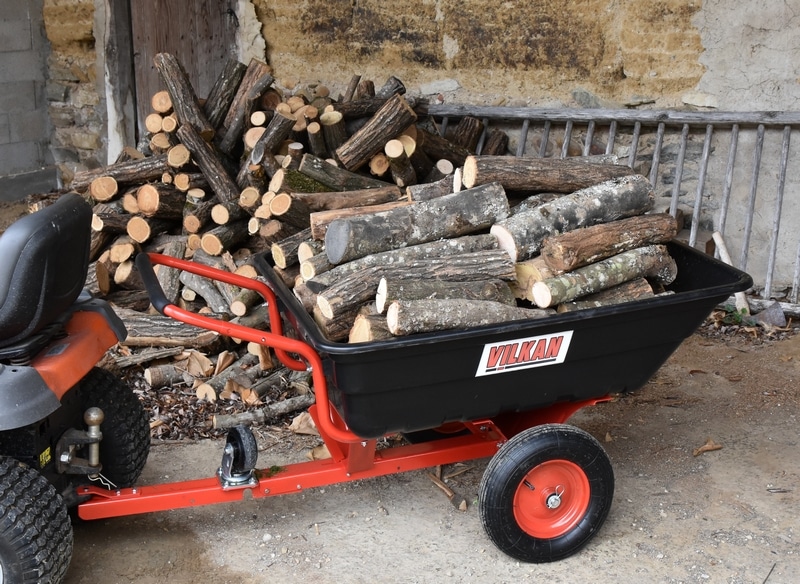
(239, 459)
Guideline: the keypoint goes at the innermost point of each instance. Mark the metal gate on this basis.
(725, 171)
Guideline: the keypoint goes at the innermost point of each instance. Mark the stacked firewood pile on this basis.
(380, 225)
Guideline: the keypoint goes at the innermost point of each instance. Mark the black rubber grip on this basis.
(151, 283)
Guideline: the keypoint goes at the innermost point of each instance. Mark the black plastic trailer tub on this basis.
(423, 381)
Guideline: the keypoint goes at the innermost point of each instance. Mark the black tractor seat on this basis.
(44, 258)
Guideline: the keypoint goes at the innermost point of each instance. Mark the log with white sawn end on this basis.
(406, 317)
(581, 247)
(462, 213)
(625, 292)
(522, 234)
(652, 261)
(321, 219)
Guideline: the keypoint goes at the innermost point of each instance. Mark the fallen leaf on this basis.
(709, 446)
(693, 371)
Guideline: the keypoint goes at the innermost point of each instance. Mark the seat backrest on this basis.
(44, 258)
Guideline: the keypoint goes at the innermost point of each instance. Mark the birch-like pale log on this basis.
(450, 216)
(406, 317)
(652, 261)
(522, 234)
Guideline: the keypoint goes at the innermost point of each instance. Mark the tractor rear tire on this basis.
(126, 428)
(35, 528)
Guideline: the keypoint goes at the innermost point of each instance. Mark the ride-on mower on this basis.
(64, 422)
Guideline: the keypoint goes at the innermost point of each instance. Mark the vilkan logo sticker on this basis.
(524, 353)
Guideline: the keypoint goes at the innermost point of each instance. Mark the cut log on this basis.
(244, 301)
(390, 289)
(166, 375)
(567, 251)
(123, 249)
(445, 217)
(187, 181)
(387, 123)
(326, 201)
(431, 190)
(436, 249)
(213, 169)
(196, 216)
(110, 219)
(290, 210)
(161, 102)
(136, 172)
(653, 262)
(284, 252)
(308, 249)
(368, 328)
(227, 212)
(103, 188)
(345, 296)
(496, 143)
(266, 414)
(561, 175)
(184, 99)
(314, 266)
(521, 235)
(256, 80)
(406, 317)
(335, 178)
(529, 272)
(245, 367)
(224, 237)
(294, 181)
(438, 148)
(126, 276)
(178, 156)
(321, 219)
(333, 130)
(467, 132)
(223, 91)
(153, 123)
(439, 170)
(206, 289)
(625, 292)
(169, 278)
(403, 174)
(160, 200)
(142, 229)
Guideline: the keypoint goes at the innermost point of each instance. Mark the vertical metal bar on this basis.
(726, 188)
(443, 127)
(753, 190)
(776, 222)
(676, 186)
(523, 137)
(701, 181)
(587, 145)
(637, 131)
(545, 139)
(657, 154)
(484, 134)
(567, 138)
(612, 135)
(795, 292)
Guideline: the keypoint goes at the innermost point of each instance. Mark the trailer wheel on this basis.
(546, 493)
(126, 429)
(35, 529)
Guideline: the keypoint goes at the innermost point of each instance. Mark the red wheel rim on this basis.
(563, 486)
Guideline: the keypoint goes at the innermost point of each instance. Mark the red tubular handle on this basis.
(275, 339)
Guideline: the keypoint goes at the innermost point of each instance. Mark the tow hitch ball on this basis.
(71, 442)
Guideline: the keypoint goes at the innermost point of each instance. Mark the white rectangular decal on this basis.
(524, 353)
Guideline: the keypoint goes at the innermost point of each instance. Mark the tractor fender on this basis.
(25, 398)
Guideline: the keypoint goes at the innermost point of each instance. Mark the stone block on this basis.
(15, 35)
(86, 140)
(29, 126)
(17, 96)
(15, 10)
(57, 91)
(21, 66)
(20, 157)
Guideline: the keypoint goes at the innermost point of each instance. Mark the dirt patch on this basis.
(10, 211)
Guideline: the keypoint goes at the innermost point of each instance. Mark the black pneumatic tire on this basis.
(35, 529)
(552, 463)
(126, 428)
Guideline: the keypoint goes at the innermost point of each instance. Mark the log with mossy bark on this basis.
(391, 289)
(469, 211)
(522, 234)
(626, 292)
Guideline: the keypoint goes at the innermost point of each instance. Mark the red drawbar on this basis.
(65, 361)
